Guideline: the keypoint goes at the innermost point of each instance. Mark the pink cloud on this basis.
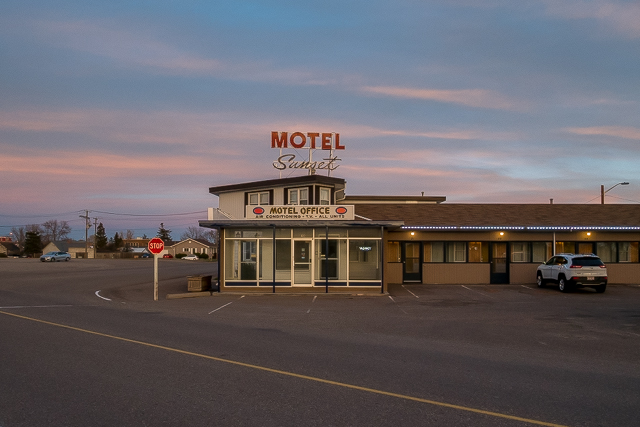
(617, 131)
(621, 17)
(480, 98)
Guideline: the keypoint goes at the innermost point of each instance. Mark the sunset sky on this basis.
(133, 109)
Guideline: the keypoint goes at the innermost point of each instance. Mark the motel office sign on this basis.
(301, 212)
(312, 141)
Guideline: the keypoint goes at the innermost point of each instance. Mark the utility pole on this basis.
(95, 233)
(87, 224)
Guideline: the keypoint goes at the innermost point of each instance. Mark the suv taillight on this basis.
(603, 266)
(575, 266)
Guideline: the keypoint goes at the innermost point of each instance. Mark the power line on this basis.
(147, 215)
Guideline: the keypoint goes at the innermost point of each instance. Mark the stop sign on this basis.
(156, 245)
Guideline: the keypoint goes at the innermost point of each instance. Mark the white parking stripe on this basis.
(35, 306)
(410, 292)
(312, 301)
(100, 296)
(220, 307)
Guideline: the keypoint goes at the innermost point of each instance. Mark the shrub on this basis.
(202, 256)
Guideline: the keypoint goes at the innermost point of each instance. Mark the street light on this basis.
(603, 191)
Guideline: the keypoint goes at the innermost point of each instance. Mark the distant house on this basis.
(192, 246)
(75, 248)
(9, 248)
(138, 252)
(136, 242)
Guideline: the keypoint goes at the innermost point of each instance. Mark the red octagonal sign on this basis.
(156, 245)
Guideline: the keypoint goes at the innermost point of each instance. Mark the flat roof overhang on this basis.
(240, 223)
(519, 228)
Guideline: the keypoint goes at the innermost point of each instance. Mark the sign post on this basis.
(156, 246)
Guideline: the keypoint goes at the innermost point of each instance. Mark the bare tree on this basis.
(18, 235)
(192, 233)
(35, 228)
(130, 234)
(209, 235)
(54, 230)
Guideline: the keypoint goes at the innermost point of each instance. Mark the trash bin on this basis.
(199, 283)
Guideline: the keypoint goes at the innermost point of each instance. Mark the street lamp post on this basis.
(603, 191)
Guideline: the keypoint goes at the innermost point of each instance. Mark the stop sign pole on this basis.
(156, 246)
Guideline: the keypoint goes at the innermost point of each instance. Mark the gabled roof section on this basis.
(191, 241)
(280, 182)
(505, 215)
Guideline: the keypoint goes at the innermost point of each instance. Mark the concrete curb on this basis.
(190, 295)
(260, 294)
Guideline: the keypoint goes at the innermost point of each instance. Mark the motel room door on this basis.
(499, 263)
(411, 265)
(302, 263)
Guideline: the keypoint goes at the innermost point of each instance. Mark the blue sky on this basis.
(138, 107)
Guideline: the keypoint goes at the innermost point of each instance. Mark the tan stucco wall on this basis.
(522, 273)
(455, 273)
(393, 273)
(628, 274)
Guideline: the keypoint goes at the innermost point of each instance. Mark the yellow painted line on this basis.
(294, 375)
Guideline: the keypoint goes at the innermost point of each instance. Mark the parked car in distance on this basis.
(191, 257)
(573, 270)
(55, 256)
(167, 256)
(145, 255)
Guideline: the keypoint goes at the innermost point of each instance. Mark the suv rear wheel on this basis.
(563, 284)
(601, 288)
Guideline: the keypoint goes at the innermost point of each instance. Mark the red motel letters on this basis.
(301, 139)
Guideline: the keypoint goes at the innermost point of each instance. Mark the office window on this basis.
(325, 196)
(260, 198)
(299, 196)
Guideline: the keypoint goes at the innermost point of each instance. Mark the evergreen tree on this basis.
(101, 238)
(164, 233)
(117, 241)
(32, 243)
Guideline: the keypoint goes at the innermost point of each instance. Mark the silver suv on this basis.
(573, 270)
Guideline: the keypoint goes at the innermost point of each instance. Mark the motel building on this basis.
(306, 234)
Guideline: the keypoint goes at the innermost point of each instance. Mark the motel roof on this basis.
(280, 182)
(529, 216)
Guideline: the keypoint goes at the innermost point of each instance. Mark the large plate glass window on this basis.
(364, 260)
(241, 261)
(328, 260)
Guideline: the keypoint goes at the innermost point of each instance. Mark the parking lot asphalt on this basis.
(421, 355)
